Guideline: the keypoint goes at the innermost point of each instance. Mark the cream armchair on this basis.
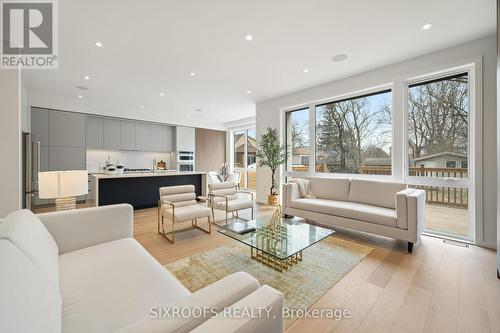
(225, 196)
(178, 204)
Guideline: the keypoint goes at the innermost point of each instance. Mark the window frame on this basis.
(288, 164)
(368, 94)
(398, 83)
(473, 184)
(430, 78)
(245, 169)
(387, 87)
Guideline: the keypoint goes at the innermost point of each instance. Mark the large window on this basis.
(438, 127)
(355, 135)
(297, 139)
(434, 140)
(244, 150)
(239, 149)
(438, 152)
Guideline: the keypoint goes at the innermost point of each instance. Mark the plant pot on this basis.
(272, 199)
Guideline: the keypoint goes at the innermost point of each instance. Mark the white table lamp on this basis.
(63, 186)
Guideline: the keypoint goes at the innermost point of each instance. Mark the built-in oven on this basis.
(185, 156)
(185, 167)
(185, 161)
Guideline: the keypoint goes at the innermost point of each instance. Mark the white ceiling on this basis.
(152, 46)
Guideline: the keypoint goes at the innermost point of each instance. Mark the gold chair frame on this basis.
(161, 220)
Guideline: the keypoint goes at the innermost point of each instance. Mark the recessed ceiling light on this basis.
(192, 74)
(306, 70)
(98, 43)
(187, 114)
(340, 57)
(86, 77)
(80, 96)
(212, 106)
(427, 26)
(162, 94)
(249, 92)
(141, 107)
(248, 37)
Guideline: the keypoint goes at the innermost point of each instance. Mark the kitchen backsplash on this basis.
(130, 159)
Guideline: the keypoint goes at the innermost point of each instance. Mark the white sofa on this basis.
(81, 271)
(384, 208)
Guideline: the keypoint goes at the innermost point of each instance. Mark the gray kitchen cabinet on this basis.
(67, 129)
(44, 158)
(95, 132)
(185, 138)
(111, 134)
(127, 138)
(142, 136)
(167, 139)
(155, 143)
(40, 126)
(67, 158)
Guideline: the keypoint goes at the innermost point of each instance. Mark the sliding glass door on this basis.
(439, 152)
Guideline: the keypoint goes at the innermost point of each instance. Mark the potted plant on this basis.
(271, 154)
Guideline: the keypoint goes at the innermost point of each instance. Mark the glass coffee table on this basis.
(279, 246)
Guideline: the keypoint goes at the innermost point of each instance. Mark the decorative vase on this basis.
(272, 199)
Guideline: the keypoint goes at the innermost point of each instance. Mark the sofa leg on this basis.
(410, 247)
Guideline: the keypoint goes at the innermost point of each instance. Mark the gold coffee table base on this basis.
(278, 264)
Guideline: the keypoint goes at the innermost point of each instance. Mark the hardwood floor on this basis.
(440, 287)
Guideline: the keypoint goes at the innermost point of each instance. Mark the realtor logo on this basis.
(29, 34)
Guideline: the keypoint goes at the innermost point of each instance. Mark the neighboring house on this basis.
(300, 156)
(442, 160)
(239, 150)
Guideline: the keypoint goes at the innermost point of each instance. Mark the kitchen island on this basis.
(140, 189)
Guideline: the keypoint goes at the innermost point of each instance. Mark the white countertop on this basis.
(148, 174)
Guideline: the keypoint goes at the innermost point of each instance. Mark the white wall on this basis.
(10, 138)
(130, 159)
(268, 112)
(498, 138)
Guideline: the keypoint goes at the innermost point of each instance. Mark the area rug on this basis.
(323, 265)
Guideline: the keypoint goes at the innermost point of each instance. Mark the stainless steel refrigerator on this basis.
(31, 167)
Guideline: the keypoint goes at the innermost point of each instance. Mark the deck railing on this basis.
(448, 196)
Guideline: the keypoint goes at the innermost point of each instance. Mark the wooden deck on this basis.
(449, 220)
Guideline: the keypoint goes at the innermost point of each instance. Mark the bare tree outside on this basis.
(298, 138)
(354, 132)
(438, 113)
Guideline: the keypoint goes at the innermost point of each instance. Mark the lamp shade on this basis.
(62, 184)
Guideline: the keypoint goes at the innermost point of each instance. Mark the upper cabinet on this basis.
(185, 138)
(155, 143)
(167, 139)
(127, 135)
(142, 136)
(62, 136)
(111, 134)
(40, 126)
(95, 133)
(67, 129)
